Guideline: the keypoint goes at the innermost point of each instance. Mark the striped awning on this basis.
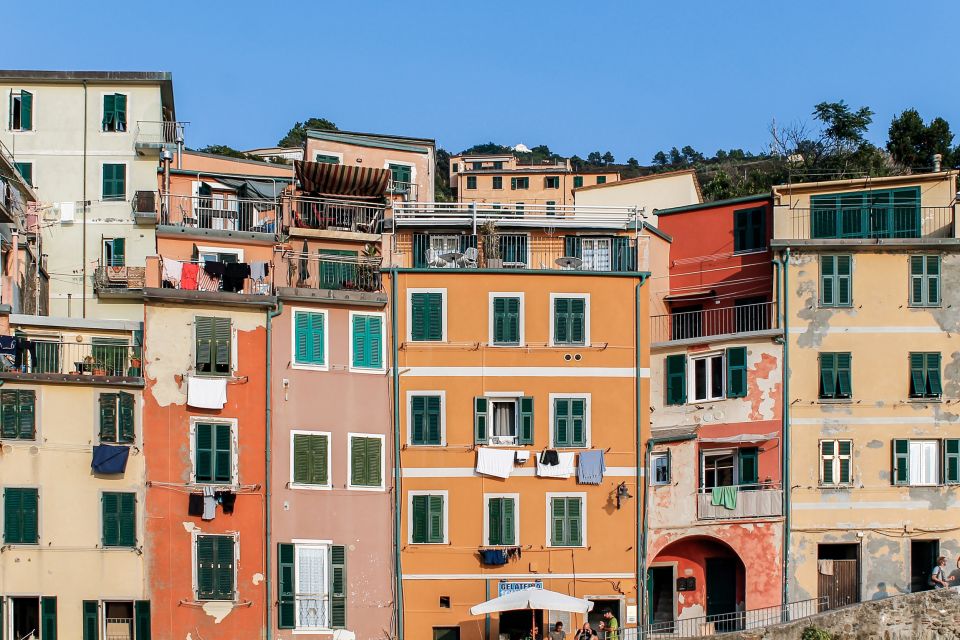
(325, 179)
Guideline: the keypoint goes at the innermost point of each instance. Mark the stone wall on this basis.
(930, 615)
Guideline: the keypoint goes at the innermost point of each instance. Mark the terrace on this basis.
(152, 136)
(713, 323)
(218, 211)
(303, 214)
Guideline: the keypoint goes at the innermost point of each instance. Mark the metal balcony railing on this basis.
(311, 611)
(406, 190)
(301, 212)
(118, 278)
(153, 132)
(872, 222)
(109, 357)
(220, 212)
(704, 626)
(686, 325)
(753, 501)
(119, 628)
(542, 215)
(329, 269)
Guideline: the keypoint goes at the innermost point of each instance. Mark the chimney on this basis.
(937, 161)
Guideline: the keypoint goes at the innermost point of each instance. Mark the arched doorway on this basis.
(697, 579)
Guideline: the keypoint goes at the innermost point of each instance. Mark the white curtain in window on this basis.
(312, 587)
(595, 253)
(504, 414)
(923, 463)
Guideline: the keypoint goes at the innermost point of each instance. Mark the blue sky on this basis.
(629, 77)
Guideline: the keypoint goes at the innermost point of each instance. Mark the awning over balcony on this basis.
(251, 189)
(324, 179)
(743, 438)
(690, 295)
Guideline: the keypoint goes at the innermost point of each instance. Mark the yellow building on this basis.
(72, 481)
(871, 313)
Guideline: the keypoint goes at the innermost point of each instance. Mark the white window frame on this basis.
(234, 451)
(102, 614)
(586, 320)
(503, 396)
(486, 518)
(236, 562)
(313, 487)
(16, 93)
(383, 461)
(7, 619)
(835, 462)
(443, 314)
(293, 342)
(916, 470)
(660, 455)
(129, 110)
(583, 518)
(383, 343)
(443, 416)
(587, 417)
(127, 181)
(717, 453)
(323, 545)
(202, 249)
(446, 516)
(405, 163)
(521, 320)
(691, 376)
(324, 152)
(597, 240)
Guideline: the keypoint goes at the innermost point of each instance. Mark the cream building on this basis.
(89, 143)
(652, 192)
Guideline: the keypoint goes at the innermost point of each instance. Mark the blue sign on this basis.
(510, 587)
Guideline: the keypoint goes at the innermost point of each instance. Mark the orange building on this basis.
(509, 383)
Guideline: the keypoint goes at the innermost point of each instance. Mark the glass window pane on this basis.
(716, 377)
(700, 379)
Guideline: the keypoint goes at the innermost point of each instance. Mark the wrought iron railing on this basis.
(301, 212)
(119, 629)
(156, 132)
(752, 501)
(118, 278)
(704, 626)
(873, 222)
(109, 357)
(406, 190)
(311, 611)
(329, 269)
(686, 325)
(219, 211)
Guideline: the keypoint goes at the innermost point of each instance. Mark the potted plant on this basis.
(99, 369)
(368, 271)
(491, 245)
(88, 364)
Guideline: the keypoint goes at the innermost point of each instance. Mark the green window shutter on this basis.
(126, 419)
(558, 519)
(318, 454)
(338, 587)
(108, 111)
(26, 414)
(526, 420)
(222, 346)
(933, 281)
(934, 387)
(827, 454)
(20, 510)
(120, 111)
(736, 372)
(513, 183)
(128, 520)
(222, 454)
(749, 470)
(918, 383)
(367, 342)
(901, 462)
(48, 618)
(91, 620)
(418, 313)
(426, 316)
(843, 450)
(206, 582)
(574, 523)
(843, 375)
(508, 521)
(435, 520)
(561, 320)
(111, 519)
(495, 521)
(434, 436)
(561, 422)
(917, 280)
(9, 405)
(828, 375)
(224, 557)
(577, 182)
(951, 461)
(114, 181)
(740, 229)
(301, 458)
(365, 460)
(844, 281)
(141, 620)
(203, 453)
(480, 434)
(309, 338)
(26, 116)
(572, 246)
(286, 581)
(203, 328)
(578, 321)
(418, 420)
(26, 171)
(419, 519)
(512, 321)
(828, 269)
(676, 371)
(578, 409)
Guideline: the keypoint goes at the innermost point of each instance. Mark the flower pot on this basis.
(99, 372)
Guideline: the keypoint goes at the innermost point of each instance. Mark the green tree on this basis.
(633, 163)
(486, 148)
(844, 130)
(297, 135)
(595, 158)
(224, 150)
(608, 158)
(660, 160)
(912, 144)
(441, 177)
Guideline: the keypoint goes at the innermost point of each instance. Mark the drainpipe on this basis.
(785, 463)
(395, 370)
(271, 314)
(641, 504)
(83, 289)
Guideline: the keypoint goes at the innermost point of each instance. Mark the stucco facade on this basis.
(653, 192)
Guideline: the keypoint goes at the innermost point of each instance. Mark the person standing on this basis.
(610, 627)
(558, 633)
(938, 577)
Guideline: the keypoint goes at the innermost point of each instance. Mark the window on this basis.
(513, 248)
(366, 461)
(426, 316)
(836, 288)
(117, 411)
(20, 516)
(213, 453)
(456, 167)
(835, 461)
(596, 254)
(498, 165)
(366, 343)
(577, 182)
(18, 414)
(835, 376)
(718, 469)
(601, 179)
(676, 379)
(498, 182)
(114, 182)
(122, 620)
(324, 158)
(216, 560)
(310, 459)
(476, 166)
(310, 339)
(660, 463)
(446, 633)
(551, 182)
(21, 111)
(748, 229)
(571, 321)
(519, 183)
(925, 375)
(426, 419)
(26, 171)
(115, 112)
(119, 519)
(884, 213)
(570, 422)
(312, 586)
(506, 327)
(951, 461)
(922, 467)
(706, 377)
(510, 420)
(924, 281)
(114, 252)
(566, 521)
(471, 182)
(428, 518)
(402, 175)
(551, 207)
(500, 523)
(31, 614)
(213, 345)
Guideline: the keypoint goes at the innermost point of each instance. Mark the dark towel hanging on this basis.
(234, 275)
(109, 459)
(227, 500)
(214, 269)
(550, 457)
(195, 507)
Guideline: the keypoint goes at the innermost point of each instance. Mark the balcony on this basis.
(77, 361)
(334, 270)
(692, 325)
(200, 281)
(870, 222)
(404, 191)
(536, 215)
(219, 212)
(152, 136)
(145, 205)
(119, 282)
(303, 214)
(753, 501)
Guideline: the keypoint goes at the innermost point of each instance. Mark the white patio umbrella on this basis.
(533, 599)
